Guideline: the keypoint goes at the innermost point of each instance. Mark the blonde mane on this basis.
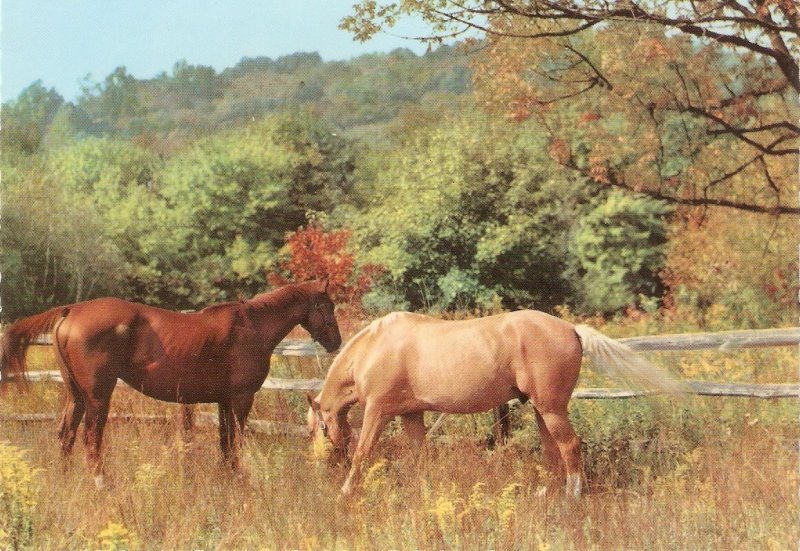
(340, 373)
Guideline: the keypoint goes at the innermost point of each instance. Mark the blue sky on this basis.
(60, 42)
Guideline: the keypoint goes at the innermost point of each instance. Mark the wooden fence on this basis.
(727, 340)
(722, 341)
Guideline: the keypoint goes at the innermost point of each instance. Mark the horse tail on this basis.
(621, 362)
(18, 337)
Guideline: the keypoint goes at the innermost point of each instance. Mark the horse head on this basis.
(320, 320)
(327, 433)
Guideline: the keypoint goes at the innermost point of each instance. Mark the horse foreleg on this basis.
(227, 433)
(559, 427)
(241, 405)
(502, 424)
(186, 416)
(371, 429)
(232, 420)
(346, 439)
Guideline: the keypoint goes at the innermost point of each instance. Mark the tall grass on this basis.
(730, 485)
(695, 473)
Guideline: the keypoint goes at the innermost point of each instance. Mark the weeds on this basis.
(696, 473)
(18, 481)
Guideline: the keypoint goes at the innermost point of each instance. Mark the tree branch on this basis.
(615, 179)
(741, 135)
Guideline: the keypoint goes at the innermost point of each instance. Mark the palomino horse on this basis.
(220, 354)
(405, 364)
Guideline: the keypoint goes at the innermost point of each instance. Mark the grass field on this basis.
(693, 473)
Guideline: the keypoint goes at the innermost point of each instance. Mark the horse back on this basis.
(467, 365)
(166, 355)
(106, 320)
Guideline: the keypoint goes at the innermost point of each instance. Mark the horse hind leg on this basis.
(75, 405)
(96, 417)
(552, 456)
(98, 402)
(186, 422)
(560, 429)
(70, 420)
(414, 426)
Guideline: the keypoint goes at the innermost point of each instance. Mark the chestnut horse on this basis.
(220, 354)
(405, 364)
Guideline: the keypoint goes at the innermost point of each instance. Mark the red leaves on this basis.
(783, 287)
(589, 116)
(317, 254)
(560, 151)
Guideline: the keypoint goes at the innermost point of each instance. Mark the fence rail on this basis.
(722, 340)
(701, 388)
(727, 340)
(287, 347)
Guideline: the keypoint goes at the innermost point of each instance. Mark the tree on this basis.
(733, 269)
(58, 243)
(692, 103)
(70, 123)
(190, 84)
(313, 253)
(26, 119)
(226, 203)
(114, 98)
(470, 213)
(620, 248)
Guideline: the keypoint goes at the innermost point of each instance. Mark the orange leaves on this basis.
(560, 151)
(317, 254)
(598, 168)
(588, 117)
(655, 49)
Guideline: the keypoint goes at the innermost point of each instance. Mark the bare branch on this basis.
(594, 69)
(741, 135)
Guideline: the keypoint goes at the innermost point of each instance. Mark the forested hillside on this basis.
(182, 191)
(163, 114)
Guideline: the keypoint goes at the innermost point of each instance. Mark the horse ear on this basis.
(325, 285)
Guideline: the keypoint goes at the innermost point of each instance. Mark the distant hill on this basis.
(363, 97)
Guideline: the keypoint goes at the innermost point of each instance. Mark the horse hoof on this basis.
(574, 485)
(99, 482)
(541, 491)
(347, 490)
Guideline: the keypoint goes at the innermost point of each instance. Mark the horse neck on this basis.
(273, 322)
(339, 391)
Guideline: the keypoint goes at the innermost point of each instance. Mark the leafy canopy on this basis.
(694, 103)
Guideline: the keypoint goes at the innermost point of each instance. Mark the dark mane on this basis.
(284, 295)
(220, 306)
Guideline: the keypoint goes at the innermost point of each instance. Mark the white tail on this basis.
(623, 363)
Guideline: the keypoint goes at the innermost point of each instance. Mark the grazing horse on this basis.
(220, 354)
(405, 364)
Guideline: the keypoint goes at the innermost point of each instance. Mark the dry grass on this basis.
(702, 473)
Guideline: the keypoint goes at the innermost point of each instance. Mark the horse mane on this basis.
(372, 329)
(341, 370)
(221, 306)
(385, 321)
(283, 295)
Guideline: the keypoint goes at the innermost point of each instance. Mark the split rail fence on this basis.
(722, 341)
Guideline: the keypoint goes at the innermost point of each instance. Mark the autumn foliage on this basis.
(314, 253)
